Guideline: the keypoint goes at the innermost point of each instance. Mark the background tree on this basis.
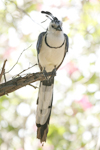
(75, 120)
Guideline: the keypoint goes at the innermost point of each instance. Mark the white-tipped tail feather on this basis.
(44, 106)
(44, 103)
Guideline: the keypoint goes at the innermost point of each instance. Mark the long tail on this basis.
(44, 106)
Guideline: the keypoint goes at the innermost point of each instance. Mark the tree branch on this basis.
(24, 71)
(17, 83)
(3, 70)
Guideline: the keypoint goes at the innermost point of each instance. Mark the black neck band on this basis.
(51, 46)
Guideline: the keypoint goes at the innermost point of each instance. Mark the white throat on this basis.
(55, 38)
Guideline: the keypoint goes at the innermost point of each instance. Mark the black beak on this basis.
(59, 28)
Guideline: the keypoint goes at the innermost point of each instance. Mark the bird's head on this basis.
(55, 24)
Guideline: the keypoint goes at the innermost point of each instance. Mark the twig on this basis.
(26, 14)
(4, 75)
(3, 68)
(33, 86)
(18, 59)
(24, 71)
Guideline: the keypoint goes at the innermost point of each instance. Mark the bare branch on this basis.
(18, 59)
(17, 83)
(26, 14)
(3, 69)
(24, 71)
(4, 75)
(33, 86)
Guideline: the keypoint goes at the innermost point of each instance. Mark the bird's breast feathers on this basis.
(50, 57)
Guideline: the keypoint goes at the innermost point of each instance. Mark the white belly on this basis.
(51, 57)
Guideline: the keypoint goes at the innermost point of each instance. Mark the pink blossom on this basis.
(93, 1)
(84, 102)
(70, 68)
(9, 51)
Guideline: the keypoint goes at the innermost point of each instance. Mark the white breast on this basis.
(51, 57)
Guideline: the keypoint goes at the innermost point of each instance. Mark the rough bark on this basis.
(19, 82)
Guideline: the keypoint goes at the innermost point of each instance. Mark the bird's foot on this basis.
(53, 73)
(45, 73)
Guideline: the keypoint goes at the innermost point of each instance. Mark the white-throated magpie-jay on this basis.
(52, 46)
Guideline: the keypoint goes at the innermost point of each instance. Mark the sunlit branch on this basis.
(24, 71)
(3, 70)
(19, 82)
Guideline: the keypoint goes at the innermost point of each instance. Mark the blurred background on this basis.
(75, 118)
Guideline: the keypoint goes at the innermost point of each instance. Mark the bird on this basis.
(52, 46)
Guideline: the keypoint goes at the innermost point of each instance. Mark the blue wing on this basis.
(39, 44)
(67, 44)
(66, 48)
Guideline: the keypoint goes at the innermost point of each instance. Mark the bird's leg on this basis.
(53, 72)
(45, 73)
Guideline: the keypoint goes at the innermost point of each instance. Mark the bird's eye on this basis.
(52, 26)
